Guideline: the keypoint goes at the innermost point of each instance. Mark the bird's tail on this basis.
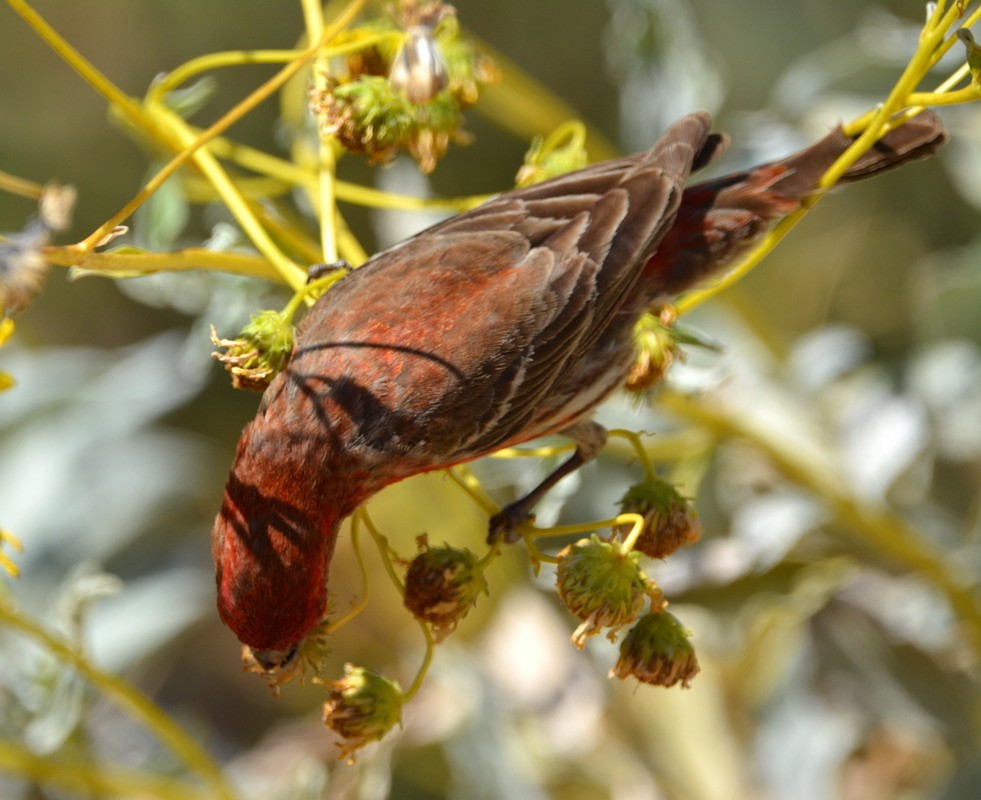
(721, 220)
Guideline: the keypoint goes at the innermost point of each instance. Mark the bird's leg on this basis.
(589, 437)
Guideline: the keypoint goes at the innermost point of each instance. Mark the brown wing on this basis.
(453, 339)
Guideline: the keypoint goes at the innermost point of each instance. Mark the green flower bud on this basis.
(657, 347)
(602, 586)
(564, 150)
(441, 586)
(367, 115)
(658, 651)
(671, 521)
(259, 353)
(362, 707)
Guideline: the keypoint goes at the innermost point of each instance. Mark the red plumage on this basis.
(503, 324)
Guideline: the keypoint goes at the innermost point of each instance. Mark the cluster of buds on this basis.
(442, 585)
(670, 520)
(411, 98)
(603, 585)
(657, 650)
(362, 707)
(260, 351)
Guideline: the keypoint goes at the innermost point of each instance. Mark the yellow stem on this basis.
(427, 660)
(362, 603)
(384, 549)
(637, 526)
(129, 107)
(158, 92)
(639, 448)
(350, 248)
(126, 264)
(184, 746)
(386, 554)
(578, 527)
(313, 16)
(694, 299)
(545, 451)
(467, 481)
(20, 186)
(289, 272)
(84, 778)
(234, 115)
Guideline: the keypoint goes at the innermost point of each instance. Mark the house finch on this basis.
(506, 323)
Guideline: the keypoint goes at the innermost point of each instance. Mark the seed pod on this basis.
(671, 521)
(657, 650)
(260, 351)
(441, 586)
(602, 586)
(362, 707)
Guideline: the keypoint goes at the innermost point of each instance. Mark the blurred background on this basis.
(831, 667)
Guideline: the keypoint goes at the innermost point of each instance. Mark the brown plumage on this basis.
(503, 324)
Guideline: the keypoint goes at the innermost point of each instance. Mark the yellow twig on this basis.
(86, 778)
(362, 603)
(184, 746)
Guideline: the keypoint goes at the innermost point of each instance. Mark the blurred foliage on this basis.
(834, 445)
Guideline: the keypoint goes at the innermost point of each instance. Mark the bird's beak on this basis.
(275, 660)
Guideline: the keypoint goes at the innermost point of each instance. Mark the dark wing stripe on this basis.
(614, 216)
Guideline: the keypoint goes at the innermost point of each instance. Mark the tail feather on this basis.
(918, 138)
(721, 220)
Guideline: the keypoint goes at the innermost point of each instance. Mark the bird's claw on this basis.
(505, 525)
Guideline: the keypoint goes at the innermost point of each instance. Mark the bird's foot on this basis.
(505, 525)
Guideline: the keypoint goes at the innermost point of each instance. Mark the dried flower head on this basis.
(407, 98)
(603, 586)
(367, 115)
(671, 520)
(260, 351)
(657, 650)
(442, 585)
(362, 707)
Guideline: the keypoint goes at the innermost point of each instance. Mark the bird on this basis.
(508, 322)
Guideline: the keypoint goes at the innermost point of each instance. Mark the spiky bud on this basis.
(260, 351)
(657, 650)
(564, 150)
(441, 586)
(656, 341)
(362, 707)
(671, 521)
(367, 115)
(411, 98)
(603, 586)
